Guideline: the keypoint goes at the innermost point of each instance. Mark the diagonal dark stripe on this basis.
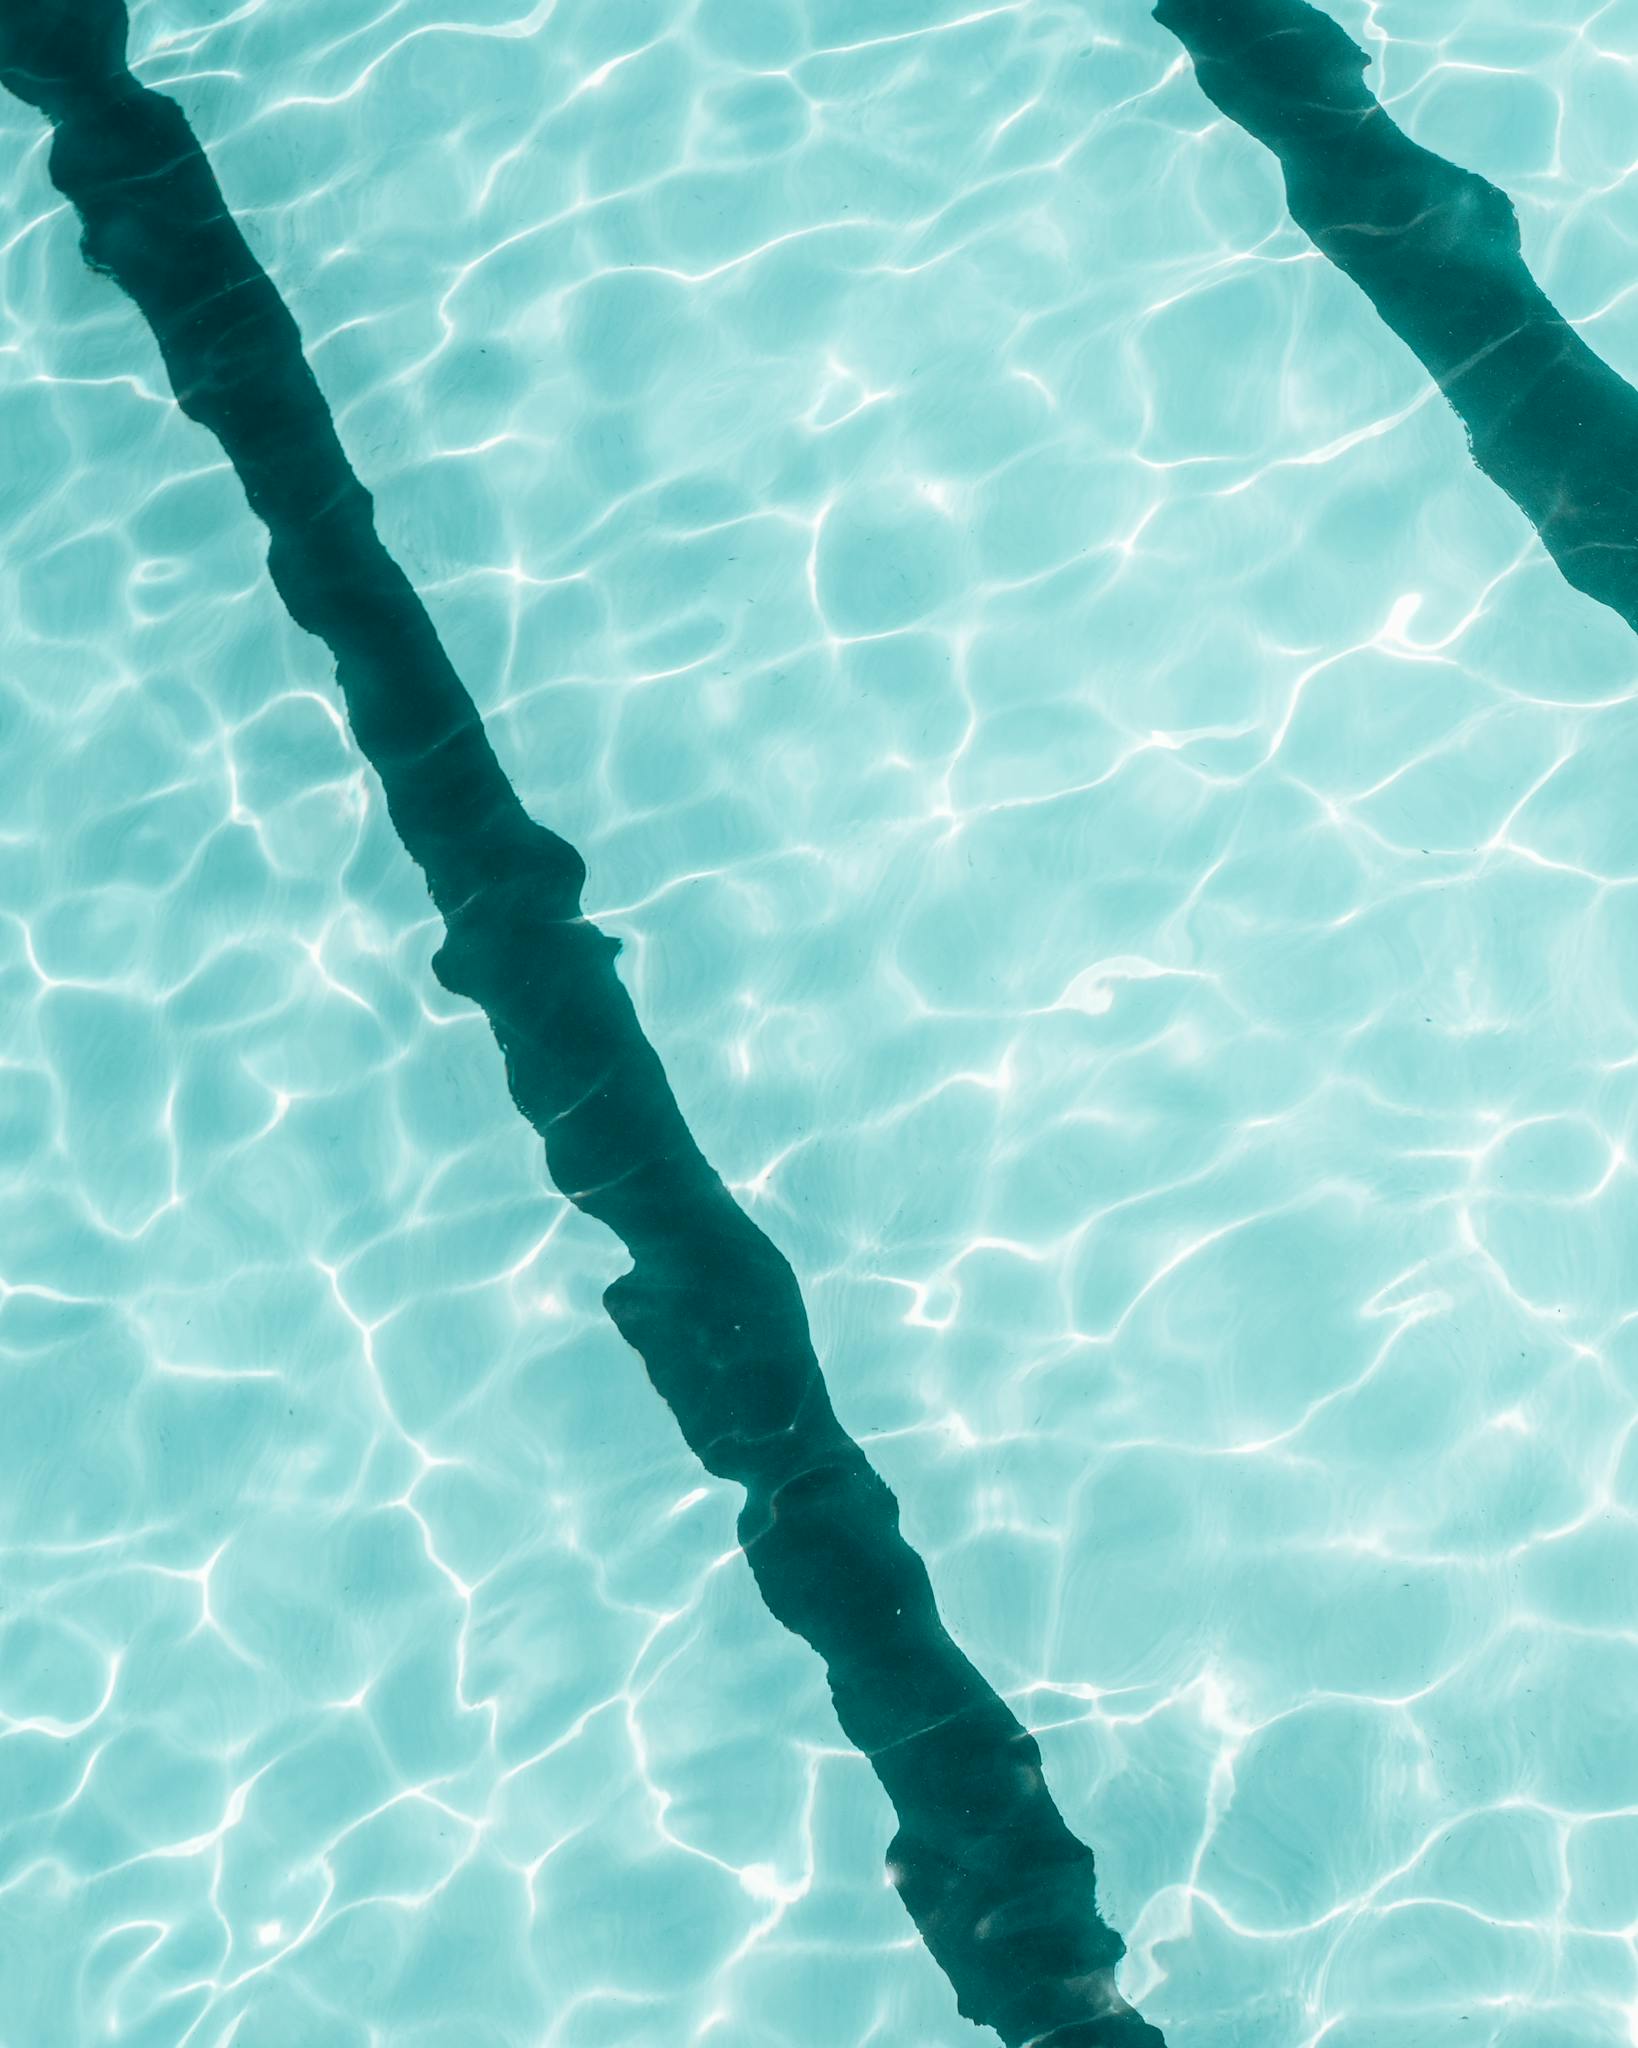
(1436, 250)
(1002, 1892)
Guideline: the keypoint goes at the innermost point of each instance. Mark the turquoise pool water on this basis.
(1120, 837)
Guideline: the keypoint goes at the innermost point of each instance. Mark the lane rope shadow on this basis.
(1436, 250)
(1004, 1895)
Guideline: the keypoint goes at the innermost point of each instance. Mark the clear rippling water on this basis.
(1121, 839)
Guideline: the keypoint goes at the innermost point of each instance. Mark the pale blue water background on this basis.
(1126, 848)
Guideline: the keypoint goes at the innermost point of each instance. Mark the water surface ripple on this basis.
(1119, 829)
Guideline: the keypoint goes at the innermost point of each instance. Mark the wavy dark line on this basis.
(1436, 250)
(1002, 1892)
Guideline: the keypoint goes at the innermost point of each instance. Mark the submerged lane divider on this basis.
(1002, 1892)
(1436, 250)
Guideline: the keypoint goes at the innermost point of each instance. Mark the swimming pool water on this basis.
(1119, 836)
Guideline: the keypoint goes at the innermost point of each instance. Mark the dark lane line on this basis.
(1002, 1892)
(1436, 250)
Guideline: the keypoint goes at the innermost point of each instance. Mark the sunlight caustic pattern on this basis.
(1117, 829)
